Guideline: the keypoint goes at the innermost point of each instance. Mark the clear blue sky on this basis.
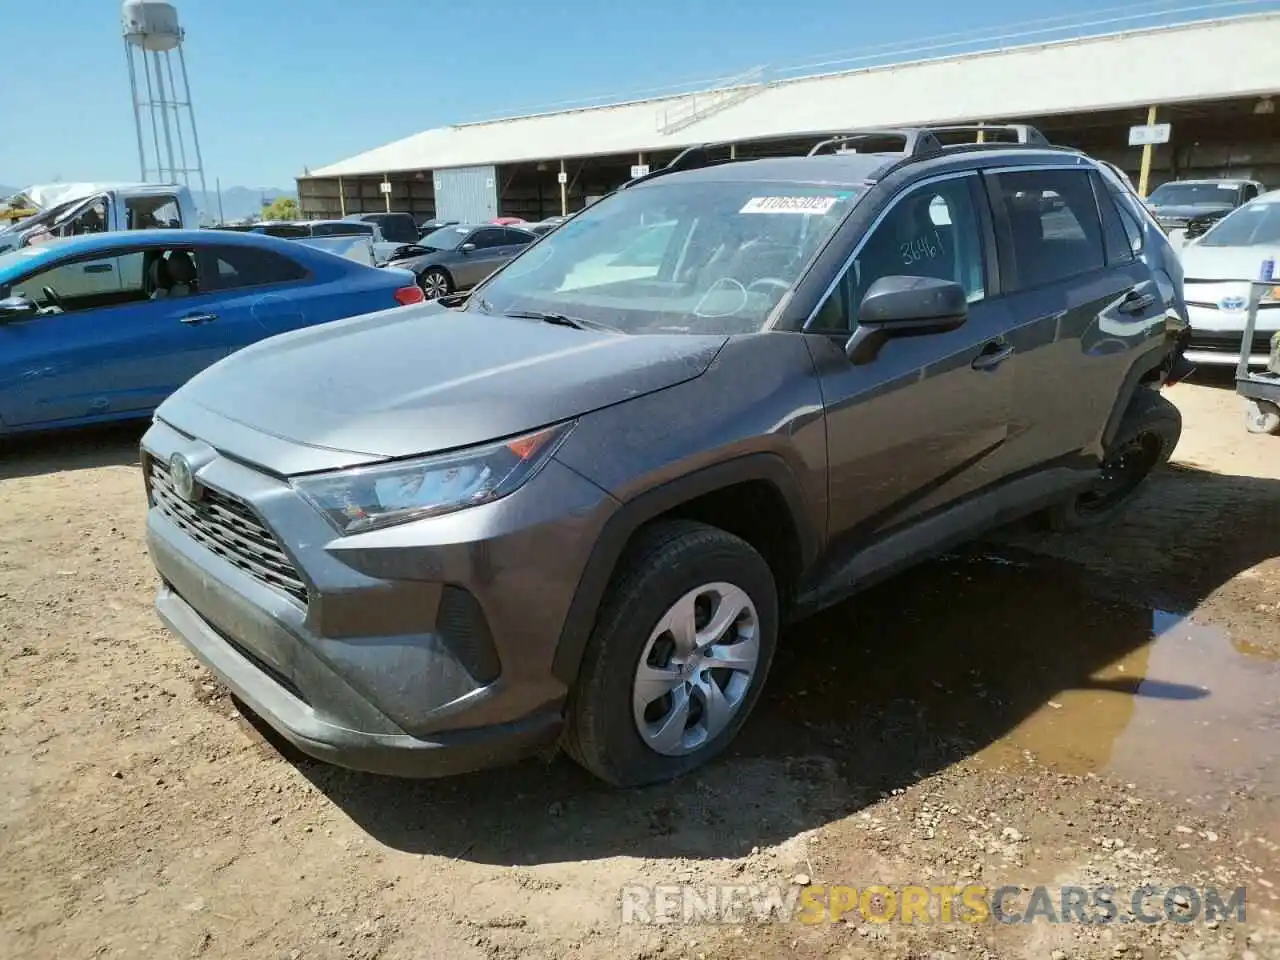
(279, 84)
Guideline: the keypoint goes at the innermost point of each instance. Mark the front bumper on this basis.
(1217, 335)
(419, 650)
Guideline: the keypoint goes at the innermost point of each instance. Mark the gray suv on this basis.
(579, 504)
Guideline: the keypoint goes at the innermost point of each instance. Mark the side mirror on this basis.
(905, 307)
(17, 308)
(467, 247)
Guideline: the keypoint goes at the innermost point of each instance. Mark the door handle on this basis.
(992, 355)
(1135, 302)
(98, 268)
(195, 319)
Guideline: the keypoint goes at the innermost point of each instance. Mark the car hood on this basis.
(1190, 211)
(418, 380)
(1224, 263)
(414, 261)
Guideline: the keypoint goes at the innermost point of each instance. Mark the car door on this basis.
(88, 277)
(1078, 312)
(517, 240)
(920, 426)
(95, 356)
(489, 254)
(258, 292)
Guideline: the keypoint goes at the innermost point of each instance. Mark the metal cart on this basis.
(1260, 388)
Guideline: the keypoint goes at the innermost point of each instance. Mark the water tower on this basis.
(162, 112)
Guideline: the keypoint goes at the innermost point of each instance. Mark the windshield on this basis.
(50, 216)
(446, 238)
(1253, 225)
(675, 257)
(1195, 194)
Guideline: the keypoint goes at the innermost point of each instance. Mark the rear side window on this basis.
(287, 230)
(152, 213)
(342, 229)
(492, 237)
(518, 236)
(1051, 225)
(229, 268)
(399, 228)
(1119, 243)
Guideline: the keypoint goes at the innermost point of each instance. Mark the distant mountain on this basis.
(237, 202)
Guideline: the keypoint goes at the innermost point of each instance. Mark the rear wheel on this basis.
(435, 283)
(1262, 416)
(1146, 438)
(679, 654)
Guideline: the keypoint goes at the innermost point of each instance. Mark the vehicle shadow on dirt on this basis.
(82, 449)
(906, 679)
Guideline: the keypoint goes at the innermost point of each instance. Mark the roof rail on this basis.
(1023, 131)
(916, 141)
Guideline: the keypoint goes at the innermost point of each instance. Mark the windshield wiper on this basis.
(559, 319)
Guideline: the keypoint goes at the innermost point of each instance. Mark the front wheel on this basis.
(435, 283)
(680, 651)
(1145, 439)
(1262, 416)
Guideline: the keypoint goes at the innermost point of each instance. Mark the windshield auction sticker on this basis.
(804, 205)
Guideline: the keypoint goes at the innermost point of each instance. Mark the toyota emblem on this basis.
(183, 480)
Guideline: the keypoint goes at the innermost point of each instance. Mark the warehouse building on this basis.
(1214, 82)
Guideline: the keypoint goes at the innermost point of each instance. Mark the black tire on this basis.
(663, 563)
(1150, 431)
(435, 283)
(1262, 416)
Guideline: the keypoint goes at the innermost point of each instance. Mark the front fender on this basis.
(635, 513)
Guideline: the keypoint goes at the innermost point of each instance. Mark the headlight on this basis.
(367, 498)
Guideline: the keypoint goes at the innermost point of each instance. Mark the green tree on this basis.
(281, 208)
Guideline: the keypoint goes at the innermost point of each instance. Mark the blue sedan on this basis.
(103, 327)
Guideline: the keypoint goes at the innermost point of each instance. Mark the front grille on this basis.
(1228, 342)
(228, 527)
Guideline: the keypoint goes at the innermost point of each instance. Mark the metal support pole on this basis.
(733, 151)
(1147, 150)
(191, 114)
(222, 218)
(137, 113)
(342, 199)
(151, 99)
(982, 134)
(564, 190)
(164, 119)
(177, 119)
(386, 178)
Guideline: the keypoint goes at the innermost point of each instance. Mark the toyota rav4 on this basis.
(578, 504)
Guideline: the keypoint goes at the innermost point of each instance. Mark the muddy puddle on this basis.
(1005, 658)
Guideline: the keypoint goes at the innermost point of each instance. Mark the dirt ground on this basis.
(1033, 710)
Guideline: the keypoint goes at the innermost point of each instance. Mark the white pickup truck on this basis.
(71, 209)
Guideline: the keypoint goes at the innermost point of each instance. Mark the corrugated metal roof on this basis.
(1210, 60)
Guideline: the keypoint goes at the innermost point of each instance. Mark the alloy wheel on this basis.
(696, 669)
